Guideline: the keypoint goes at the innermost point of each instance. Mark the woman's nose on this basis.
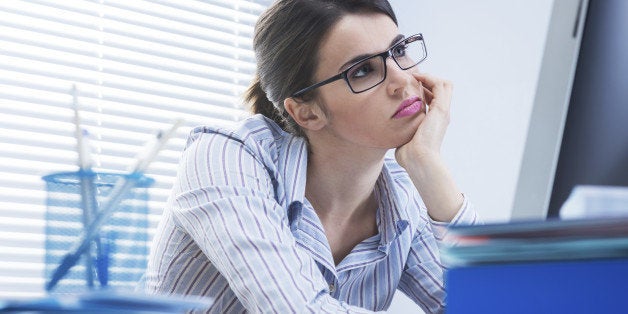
(396, 79)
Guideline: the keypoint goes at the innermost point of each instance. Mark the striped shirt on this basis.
(237, 228)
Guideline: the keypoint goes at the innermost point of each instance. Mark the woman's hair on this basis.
(286, 44)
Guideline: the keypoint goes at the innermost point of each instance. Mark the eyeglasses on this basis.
(371, 71)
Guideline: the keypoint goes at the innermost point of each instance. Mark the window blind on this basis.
(137, 65)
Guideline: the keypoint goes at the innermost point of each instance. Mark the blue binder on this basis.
(584, 286)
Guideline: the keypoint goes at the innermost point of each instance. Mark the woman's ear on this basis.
(307, 114)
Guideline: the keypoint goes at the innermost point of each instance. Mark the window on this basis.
(136, 66)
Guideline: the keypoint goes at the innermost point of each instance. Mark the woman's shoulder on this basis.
(256, 128)
(261, 137)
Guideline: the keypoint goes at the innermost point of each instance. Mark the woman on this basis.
(298, 208)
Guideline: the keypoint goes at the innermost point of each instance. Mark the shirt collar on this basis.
(392, 216)
(292, 166)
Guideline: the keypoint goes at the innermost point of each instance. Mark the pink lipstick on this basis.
(408, 107)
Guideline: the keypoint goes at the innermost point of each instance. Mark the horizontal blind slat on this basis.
(129, 50)
(206, 82)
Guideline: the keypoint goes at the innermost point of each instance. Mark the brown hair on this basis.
(286, 43)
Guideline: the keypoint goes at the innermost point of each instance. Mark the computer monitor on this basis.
(578, 132)
(594, 147)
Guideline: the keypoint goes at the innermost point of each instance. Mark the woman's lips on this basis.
(408, 107)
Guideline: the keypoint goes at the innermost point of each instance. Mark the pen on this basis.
(121, 186)
(86, 177)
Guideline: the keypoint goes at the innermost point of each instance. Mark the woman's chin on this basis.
(409, 133)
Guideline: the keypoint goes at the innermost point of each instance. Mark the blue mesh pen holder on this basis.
(119, 253)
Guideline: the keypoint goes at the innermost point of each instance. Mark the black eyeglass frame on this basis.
(384, 55)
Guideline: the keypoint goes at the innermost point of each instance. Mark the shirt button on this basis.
(332, 288)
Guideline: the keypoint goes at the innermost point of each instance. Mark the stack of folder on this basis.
(528, 241)
(552, 266)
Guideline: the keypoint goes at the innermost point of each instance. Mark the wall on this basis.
(492, 51)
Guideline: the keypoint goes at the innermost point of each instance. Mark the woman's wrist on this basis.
(434, 183)
(411, 159)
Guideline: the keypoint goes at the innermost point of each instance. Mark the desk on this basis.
(106, 301)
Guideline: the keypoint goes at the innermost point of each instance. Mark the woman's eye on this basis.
(399, 51)
(361, 71)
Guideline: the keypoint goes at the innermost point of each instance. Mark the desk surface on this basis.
(105, 301)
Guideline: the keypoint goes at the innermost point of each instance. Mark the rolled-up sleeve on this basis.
(225, 200)
(466, 216)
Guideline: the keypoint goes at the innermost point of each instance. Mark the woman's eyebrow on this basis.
(365, 55)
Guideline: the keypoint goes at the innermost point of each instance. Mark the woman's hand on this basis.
(421, 155)
(428, 138)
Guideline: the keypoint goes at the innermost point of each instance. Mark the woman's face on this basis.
(366, 119)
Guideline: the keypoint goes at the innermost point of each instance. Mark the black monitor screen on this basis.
(594, 148)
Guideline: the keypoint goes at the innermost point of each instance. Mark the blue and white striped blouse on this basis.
(237, 228)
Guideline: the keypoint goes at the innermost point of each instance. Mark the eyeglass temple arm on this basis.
(319, 84)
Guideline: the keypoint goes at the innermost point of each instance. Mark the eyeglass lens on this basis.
(372, 71)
